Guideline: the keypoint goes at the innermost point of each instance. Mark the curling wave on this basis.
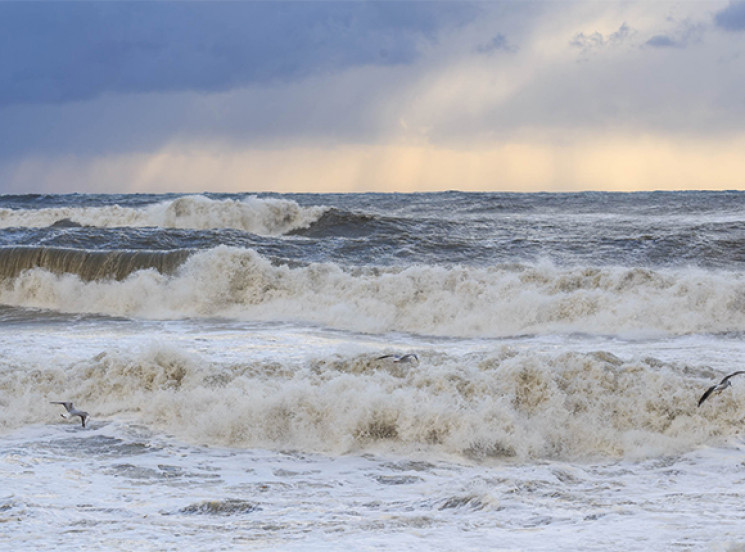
(499, 301)
(85, 264)
(264, 216)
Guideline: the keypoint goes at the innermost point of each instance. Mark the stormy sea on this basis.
(241, 360)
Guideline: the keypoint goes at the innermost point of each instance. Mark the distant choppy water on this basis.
(227, 349)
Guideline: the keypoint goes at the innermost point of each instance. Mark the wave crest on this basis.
(499, 404)
(86, 264)
(504, 300)
(264, 216)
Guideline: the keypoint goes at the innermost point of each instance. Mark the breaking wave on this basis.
(500, 404)
(87, 265)
(264, 216)
(498, 301)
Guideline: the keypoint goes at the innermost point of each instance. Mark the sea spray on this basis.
(264, 216)
(498, 404)
(564, 341)
(459, 301)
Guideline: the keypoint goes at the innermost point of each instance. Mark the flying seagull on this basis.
(719, 387)
(403, 359)
(72, 411)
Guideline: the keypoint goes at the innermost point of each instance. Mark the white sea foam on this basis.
(265, 216)
(500, 403)
(579, 429)
(428, 300)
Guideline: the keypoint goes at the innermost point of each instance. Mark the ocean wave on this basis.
(498, 301)
(349, 224)
(503, 404)
(87, 265)
(263, 216)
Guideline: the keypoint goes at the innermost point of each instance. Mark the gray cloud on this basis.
(52, 52)
(329, 74)
(663, 41)
(731, 18)
(498, 43)
(675, 84)
(685, 34)
(589, 43)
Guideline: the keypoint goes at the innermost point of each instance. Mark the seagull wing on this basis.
(67, 405)
(733, 374)
(705, 396)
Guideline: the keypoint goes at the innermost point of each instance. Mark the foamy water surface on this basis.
(238, 399)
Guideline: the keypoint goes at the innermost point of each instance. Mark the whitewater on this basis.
(228, 349)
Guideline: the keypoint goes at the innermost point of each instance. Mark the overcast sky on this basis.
(363, 96)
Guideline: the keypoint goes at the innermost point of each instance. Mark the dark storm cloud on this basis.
(732, 18)
(69, 51)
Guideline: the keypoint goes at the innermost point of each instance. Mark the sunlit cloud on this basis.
(367, 96)
(587, 162)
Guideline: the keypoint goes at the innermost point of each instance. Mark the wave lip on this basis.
(263, 216)
(85, 264)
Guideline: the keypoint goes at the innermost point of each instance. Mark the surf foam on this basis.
(264, 216)
(503, 404)
(503, 300)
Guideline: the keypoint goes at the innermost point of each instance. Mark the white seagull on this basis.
(72, 411)
(403, 359)
(719, 387)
